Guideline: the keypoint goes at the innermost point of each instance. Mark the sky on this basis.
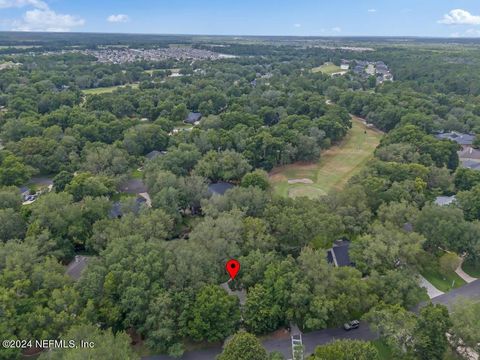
(432, 18)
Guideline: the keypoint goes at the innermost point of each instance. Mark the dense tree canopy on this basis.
(131, 191)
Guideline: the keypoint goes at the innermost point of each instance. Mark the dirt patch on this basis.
(300, 181)
(277, 177)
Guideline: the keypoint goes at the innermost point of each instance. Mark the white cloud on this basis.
(297, 25)
(5, 4)
(460, 17)
(47, 20)
(337, 29)
(372, 10)
(118, 18)
(41, 18)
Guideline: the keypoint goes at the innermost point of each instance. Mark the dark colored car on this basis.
(354, 324)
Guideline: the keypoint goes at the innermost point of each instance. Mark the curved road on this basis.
(321, 337)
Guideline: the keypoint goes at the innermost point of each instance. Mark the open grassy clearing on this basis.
(327, 68)
(442, 281)
(336, 166)
(104, 90)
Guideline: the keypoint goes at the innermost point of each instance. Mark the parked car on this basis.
(354, 324)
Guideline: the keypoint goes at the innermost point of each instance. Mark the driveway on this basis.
(432, 291)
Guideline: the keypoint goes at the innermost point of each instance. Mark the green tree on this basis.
(387, 248)
(449, 262)
(465, 316)
(430, 332)
(10, 198)
(261, 313)
(13, 171)
(469, 202)
(106, 345)
(179, 160)
(346, 350)
(215, 314)
(394, 324)
(258, 178)
(227, 166)
(86, 184)
(243, 346)
(13, 225)
(61, 180)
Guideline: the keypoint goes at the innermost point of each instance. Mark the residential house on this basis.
(77, 266)
(339, 255)
(120, 208)
(444, 200)
(154, 154)
(465, 140)
(220, 188)
(470, 164)
(345, 65)
(193, 118)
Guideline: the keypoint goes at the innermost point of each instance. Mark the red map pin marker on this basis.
(233, 267)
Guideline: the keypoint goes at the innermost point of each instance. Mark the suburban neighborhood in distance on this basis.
(204, 180)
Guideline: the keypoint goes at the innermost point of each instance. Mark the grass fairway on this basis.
(327, 68)
(337, 165)
(104, 90)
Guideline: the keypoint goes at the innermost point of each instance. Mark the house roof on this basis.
(133, 186)
(469, 153)
(219, 188)
(117, 210)
(339, 253)
(154, 154)
(459, 138)
(193, 117)
(471, 164)
(408, 227)
(76, 267)
(444, 200)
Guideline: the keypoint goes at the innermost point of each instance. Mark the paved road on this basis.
(321, 337)
(471, 291)
(310, 342)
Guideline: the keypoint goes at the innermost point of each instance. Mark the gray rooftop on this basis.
(219, 188)
(339, 253)
(119, 208)
(459, 138)
(76, 267)
(444, 200)
(471, 164)
(192, 118)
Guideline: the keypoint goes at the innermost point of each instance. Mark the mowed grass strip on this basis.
(105, 90)
(336, 166)
(327, 68)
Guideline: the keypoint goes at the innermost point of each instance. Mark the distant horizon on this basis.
(242, 35)
(305, 18)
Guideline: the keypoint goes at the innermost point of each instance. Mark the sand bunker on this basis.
(300, 181)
